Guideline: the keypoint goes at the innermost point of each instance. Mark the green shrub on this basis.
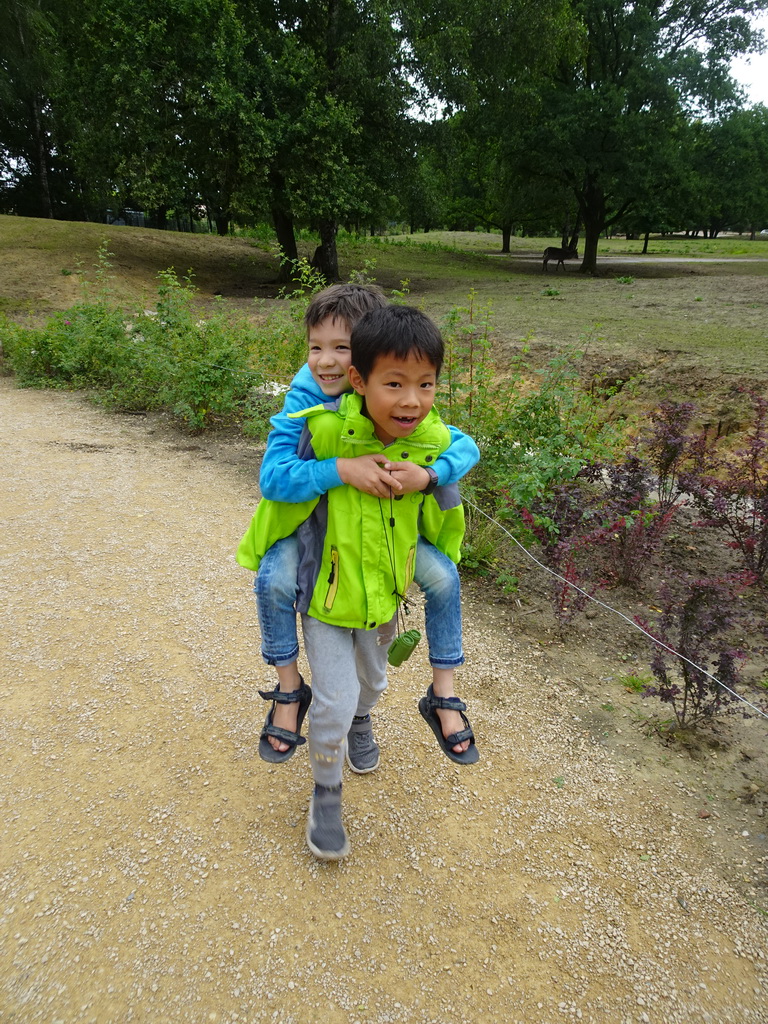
(536, 428)
(201, 370)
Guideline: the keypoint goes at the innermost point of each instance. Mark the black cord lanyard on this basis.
(402, 605)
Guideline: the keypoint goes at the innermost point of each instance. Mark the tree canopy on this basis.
(564, 115)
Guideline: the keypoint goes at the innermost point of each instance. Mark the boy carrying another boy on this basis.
(358, 550)
(285, 477)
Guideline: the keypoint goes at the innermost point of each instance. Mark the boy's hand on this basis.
(408, 475)
(368, 473)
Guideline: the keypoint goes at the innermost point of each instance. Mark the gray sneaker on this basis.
(326, 836)
(362, 749)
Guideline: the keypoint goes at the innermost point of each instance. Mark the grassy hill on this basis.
(687, 320)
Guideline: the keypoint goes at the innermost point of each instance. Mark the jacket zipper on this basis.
(333, 580)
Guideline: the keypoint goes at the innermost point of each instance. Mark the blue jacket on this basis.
(285, 477)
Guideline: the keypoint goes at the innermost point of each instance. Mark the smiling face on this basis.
(330, 355)
(398, 394)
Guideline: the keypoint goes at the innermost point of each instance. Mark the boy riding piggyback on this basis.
(287, 477)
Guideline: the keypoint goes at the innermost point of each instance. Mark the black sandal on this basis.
(428, 706)
(266, 751)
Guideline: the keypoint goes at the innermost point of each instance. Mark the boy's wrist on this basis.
(433, 481)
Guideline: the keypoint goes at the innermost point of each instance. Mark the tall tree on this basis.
(617, 97)
(26, 79)
(619, 77)
(729, 159)
(161, 103)
(335, 102)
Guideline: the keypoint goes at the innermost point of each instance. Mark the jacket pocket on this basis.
(409, 568)
(333, 580)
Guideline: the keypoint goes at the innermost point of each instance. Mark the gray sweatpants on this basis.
(349, 674)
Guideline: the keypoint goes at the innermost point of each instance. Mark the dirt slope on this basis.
(152, 868)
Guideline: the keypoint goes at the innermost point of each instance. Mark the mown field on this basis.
(690, 315)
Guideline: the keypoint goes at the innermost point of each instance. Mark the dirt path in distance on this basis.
(152, 868)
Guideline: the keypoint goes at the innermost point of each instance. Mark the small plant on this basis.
(669, 449)
(468, 374)
(698, 617)
(567, 601)
(400, 295)
(550, 292)
(365, 275)
(625, 280)
(635, 683)
(480, 547)
(612, 518)
(101, 285)
(507, 582)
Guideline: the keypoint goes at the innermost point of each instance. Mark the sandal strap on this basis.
(283, 698)
(446, 703)
(459, 737)
(283, 734)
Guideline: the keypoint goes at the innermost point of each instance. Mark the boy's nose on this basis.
(409, 398)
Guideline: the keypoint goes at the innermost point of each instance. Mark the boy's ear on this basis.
(356, 380)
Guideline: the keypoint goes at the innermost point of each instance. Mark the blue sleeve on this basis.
(457, 459)
(283, 475)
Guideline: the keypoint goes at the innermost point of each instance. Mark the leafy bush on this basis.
(201, 370)
(606, 524)
(731, 491)
(697, 620)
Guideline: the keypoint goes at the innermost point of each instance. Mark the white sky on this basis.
(752, 71)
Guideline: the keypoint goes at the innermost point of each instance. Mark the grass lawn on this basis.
(689, 319)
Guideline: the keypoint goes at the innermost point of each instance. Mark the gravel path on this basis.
(152, 868)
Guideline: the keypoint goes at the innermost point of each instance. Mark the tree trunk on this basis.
(286, 240)
(573, 241)
(645, 243)
(326, 258)
(222, 223)
(591, 239)
(592, 207)
(506, 234)
(42, 159)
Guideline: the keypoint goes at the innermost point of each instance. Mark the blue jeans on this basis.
(435, 574)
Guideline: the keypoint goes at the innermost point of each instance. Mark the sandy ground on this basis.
(152, 868)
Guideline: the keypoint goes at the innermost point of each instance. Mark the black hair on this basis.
(347, 302)
(399, 331)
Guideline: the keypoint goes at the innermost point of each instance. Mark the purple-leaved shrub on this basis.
(698, 619)
(730, 491)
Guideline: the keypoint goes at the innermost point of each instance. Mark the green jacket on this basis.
(357, 552)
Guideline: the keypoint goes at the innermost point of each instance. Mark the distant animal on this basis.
(552, 253)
